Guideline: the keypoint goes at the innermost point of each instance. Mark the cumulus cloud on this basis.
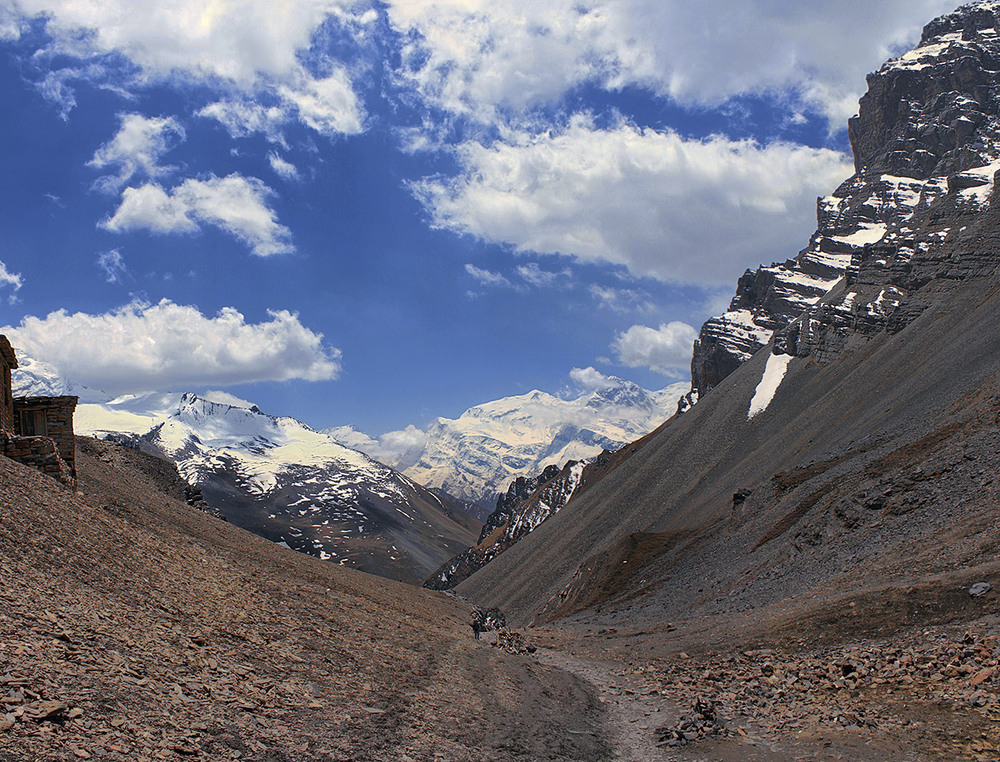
(398, 449)
(223, 39)
(665, 350)
(591, 380)
(483, 57)
(255, 47)
(680, 210)
(327, 105)
(136, 149)
(113, 264)
(235, 204)
(145, 347)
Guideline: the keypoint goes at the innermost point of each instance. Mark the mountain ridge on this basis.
(879, 376)
(477, 455)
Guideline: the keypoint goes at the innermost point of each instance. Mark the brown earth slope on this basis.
(133, 627)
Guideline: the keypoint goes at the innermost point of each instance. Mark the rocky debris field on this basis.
(136, 628)
(930, 693)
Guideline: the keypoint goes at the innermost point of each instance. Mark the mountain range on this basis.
(284, 481)
(303, 488)
(476, 456)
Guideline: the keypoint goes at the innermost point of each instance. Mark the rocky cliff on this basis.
(856, 457)
(925, 146)
(527, 503)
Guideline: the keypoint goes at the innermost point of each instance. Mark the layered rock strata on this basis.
(926, 144)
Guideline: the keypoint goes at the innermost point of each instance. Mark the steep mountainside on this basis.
(133, 627)
(475, 456)
(290, 484)
(855, 458)
(523, 507)
(926, 139)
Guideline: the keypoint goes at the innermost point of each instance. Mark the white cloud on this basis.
(245, 117)
(327, 105)
(252, 47)
(149, 347)
(113, 264)
(536, 276)
(621, 299)
(483, 57)
(282, 167)
(10, 280)
(591, 380)
(398, 449)
(137, 148)
(234, 40)
(234, 203)
(663, 206)
(488, 277)
(149, 207)
(665, 350)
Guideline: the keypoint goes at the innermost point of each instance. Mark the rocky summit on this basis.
(926, 148)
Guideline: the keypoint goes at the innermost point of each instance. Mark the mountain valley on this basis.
(791, 558)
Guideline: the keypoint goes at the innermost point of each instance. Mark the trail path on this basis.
(635, 708)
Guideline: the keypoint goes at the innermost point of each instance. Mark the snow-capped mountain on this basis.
(281, 479)
(476, 455)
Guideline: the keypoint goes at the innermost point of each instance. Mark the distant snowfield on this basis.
(477, 455)
(774, 374)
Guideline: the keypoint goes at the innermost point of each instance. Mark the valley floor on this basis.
(925, 693)
(135, 628)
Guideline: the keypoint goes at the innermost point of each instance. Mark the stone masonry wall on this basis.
(41, 453)
(58, 423)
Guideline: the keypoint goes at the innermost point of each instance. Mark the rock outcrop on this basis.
(926, 144)
(526, 504)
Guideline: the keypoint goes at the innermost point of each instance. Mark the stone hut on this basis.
(49, 417)
(36, 431)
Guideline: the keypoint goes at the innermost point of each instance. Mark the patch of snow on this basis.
(774, 373)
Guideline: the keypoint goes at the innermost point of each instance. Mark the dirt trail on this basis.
(635, 708)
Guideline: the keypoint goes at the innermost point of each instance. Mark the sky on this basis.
(375, 214)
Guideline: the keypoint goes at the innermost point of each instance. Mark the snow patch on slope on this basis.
(774, 373)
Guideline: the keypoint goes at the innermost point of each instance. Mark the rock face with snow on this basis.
(293, 485)
(926, 150)
(857, 454)
(475, 456)
(526, 504)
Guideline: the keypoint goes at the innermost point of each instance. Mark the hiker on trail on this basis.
(476, 628)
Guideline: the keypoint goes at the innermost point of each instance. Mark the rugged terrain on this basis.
(523, 507)
(134, 627)
(284, 481)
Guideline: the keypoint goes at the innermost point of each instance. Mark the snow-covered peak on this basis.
(477, 454)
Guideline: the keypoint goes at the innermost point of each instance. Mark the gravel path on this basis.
(634, 706)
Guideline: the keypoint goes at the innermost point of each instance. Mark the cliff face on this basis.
(860, 452)
(925, 146)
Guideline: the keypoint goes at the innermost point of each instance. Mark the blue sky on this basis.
(378, 213)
